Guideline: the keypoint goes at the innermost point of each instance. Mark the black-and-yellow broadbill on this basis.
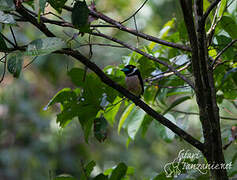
(133, 80)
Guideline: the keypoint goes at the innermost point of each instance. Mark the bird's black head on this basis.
(130, 70)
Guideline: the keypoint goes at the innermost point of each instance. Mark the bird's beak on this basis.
(125, 69)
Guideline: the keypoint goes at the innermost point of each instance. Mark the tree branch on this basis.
(209, 9)
(171, 68)
(134, 32)
(135, 12)
(195, 113)
(223, 50)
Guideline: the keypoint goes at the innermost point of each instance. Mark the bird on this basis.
(133, 80)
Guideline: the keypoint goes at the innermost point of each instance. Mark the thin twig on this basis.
(101, 44)
(135, 22)
(223, 50)
(194, 113)
(168, 73)
(209, 9)
(4, 69)
(54, 15)
(13, 35)
(30, 62)
(135, 12)
(112, 105)
(4, 37)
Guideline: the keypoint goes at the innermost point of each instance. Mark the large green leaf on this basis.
(176, 102)
(3, 45)
(146, 123)
(166, 28)
(100, 128)
(88, 169)
(124, 116)
(111, 111)
(44, 46)
(119, 172)
(229, 74)
(229, 25)
(64, 177)
(223, 41)
(14, 64)
(86, 114)
(100, 177)
(6, 18)
(63, 96)
(180, 59)
(135, 120)
(77, 76)
(42, 4)
(80, 14)
(7, 5)
(57, 4)
(222, 8)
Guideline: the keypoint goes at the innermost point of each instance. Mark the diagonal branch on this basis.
(171, 68)
(223, 50)
(133, 31)
(209, 9)
(143, 4)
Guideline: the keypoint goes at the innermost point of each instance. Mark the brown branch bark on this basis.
(204, 86)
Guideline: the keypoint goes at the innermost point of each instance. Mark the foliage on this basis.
(95, 105)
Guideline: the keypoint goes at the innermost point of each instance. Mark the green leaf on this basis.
(76, 75)
(64, 177)
(124, 116)
(166, 28)
(63, 96)
(228, 75)
(3, 45)
(119, 172)
(7, 5)
(42, 4)
(222, 8)
(176, 102)
(100, 128)
(146, 67)
(229, 25)
(14, 64)
(112, 111)
(170, 134)
(86, 115)
(100, 177)
(6, 18)
(44, 46)
(134, 121)
(146, 123)
(162, 176)
(69, 110)
(57, 4)
(223, 41)
(89, 168)
(80, 14)
(180, 59)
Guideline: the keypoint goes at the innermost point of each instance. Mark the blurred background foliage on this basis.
(33, 146)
